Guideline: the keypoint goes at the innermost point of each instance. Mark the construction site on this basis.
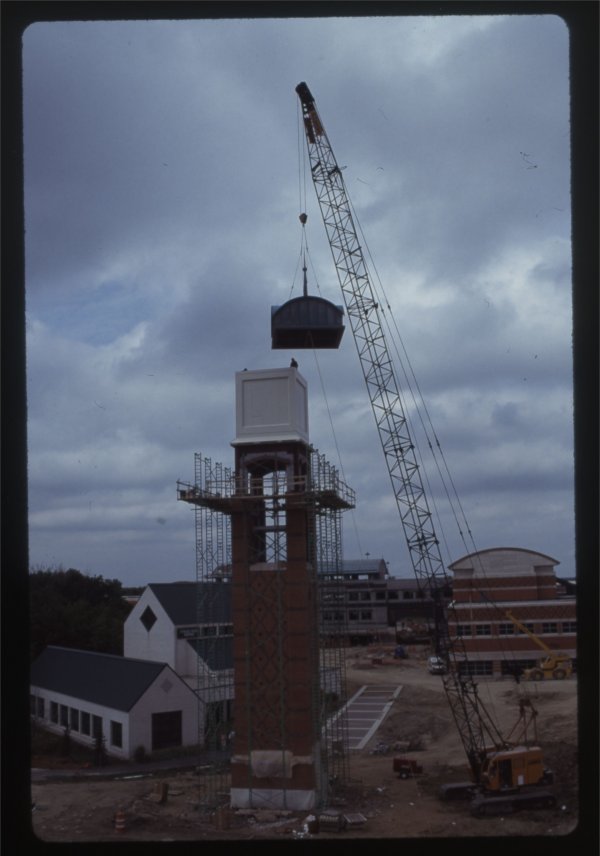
(299, 734)
(168, 804)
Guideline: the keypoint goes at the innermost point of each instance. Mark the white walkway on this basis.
(366, 710)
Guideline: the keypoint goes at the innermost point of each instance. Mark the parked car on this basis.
(436, 666)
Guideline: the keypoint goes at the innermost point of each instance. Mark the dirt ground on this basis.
(419, 721)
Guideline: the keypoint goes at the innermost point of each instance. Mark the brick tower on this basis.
(263, 532)
(276, 750)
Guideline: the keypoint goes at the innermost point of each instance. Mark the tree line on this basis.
(76, 610)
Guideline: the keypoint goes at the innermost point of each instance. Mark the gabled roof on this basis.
(104, 679)
(194, 603)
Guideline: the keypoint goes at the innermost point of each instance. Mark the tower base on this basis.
(293, 799)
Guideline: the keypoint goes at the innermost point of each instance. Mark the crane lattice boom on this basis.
(475, 725)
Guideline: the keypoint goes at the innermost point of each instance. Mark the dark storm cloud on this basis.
(136, 156)
(162, 197)
(466, 180)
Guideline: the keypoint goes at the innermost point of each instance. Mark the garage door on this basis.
(166, 729)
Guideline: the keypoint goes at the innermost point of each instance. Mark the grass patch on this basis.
(48, 749)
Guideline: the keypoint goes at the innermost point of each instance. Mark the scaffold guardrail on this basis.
(322, 485)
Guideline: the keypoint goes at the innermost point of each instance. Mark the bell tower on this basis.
(276, 751)
(282, 505)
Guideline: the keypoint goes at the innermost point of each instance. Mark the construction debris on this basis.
(354, 820)
(160, 793)
(331, 820)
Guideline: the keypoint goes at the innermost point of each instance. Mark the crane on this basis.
(506, 775)
(553, 665)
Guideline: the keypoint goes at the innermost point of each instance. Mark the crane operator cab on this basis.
(514, 768)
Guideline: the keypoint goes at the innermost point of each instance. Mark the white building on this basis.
(188, 625)
(164, 625)
(130, 703)
(148, 698)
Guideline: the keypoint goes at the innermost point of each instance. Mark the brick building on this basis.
(490, 584)
(367, 603)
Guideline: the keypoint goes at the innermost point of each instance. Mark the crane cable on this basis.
(408, 373)
(418, 401)
(337, 448)
(301, 159)
(508, 653)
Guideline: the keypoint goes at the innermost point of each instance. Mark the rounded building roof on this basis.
(507, 559)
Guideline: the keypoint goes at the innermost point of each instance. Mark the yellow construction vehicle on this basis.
(555, 665)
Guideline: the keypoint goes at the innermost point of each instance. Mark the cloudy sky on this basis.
(163, 183)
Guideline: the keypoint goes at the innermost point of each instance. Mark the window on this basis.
(36, 706)
(353, 615)
(53, 712)
(483, 630)
(393, 595)
(549, 627)
(148, 619)
(515, 667)
(366, 615)
(74, 719)
(569, 627)
(365, 595)
(187, 632)
(85, 723)
(464, 630)
(526, 624)
(380, 595)
(506, 629)
(408, 595)
(477, 667)
(353, 595)
(64, 716)
(96, 726)
(116, 734)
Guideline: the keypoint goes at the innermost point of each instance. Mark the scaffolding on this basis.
(212, 638)
(333, 630)
(216, 494)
